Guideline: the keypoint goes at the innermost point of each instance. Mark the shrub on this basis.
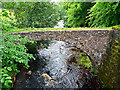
(13, 56)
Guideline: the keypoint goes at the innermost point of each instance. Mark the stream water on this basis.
(52, 69)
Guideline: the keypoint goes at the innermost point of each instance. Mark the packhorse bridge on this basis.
(93, 42)
(102, 46)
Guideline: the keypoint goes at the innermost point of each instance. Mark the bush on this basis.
(13, 56)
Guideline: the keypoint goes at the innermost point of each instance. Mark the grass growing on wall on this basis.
(116, 27)
(49, 29)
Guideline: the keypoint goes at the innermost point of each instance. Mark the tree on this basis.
(104, 14)
(60, 9)
(7, 19)
(21, 11)
(76, 13)
(44, 15)
(34, 14)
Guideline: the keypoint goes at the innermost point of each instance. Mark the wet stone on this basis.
(52, 70)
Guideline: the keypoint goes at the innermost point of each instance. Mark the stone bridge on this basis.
(93, 42)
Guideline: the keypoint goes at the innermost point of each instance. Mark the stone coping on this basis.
(60, 31)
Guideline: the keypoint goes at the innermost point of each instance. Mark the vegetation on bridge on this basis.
(50, 29)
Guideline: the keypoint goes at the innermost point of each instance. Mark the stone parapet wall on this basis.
(93, 42)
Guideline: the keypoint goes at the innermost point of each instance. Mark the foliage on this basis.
(60, 9)
(7, 19)
(104, 14)
(76, 13)
(51, 29)
(31, 47)
(44, 15)
(81, 58)
(34, 14)
(84, 60)
(13, 56)
(99, 14)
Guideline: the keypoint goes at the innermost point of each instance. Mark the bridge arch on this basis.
(93, 42)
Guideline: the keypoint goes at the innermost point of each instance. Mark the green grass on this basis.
(50, 29)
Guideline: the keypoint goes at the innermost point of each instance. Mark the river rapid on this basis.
(53, 69)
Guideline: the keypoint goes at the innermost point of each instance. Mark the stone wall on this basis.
(93, 42)
(109, 70)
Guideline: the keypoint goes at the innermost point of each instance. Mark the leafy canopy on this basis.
(104, 14)
(34, 14)
(76, 13)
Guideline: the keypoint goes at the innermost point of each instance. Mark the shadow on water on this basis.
(53, 69)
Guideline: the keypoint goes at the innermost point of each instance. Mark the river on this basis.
(53, 69)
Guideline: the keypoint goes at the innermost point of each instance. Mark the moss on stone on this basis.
(109, 69)
(53, 29)
(116, 27)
